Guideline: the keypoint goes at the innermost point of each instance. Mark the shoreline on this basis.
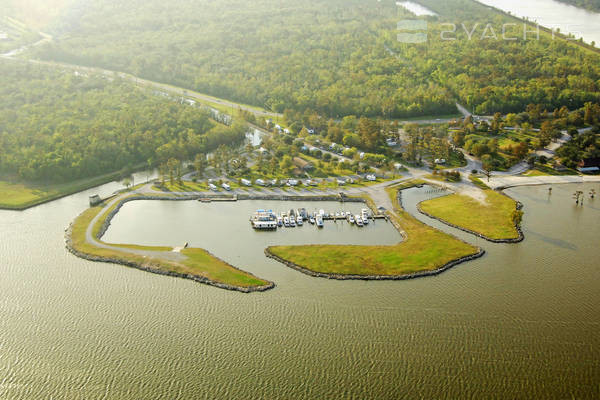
(153, 267)
(344, 277)
(518, 239)
(381, 277)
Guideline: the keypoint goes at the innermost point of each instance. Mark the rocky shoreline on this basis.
(518, 239)
(154, 268)
(343, 277)
(413, 275)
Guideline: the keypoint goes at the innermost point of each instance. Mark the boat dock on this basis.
(270, 220)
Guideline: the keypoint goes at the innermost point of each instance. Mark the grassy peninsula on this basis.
(425, 250)
(491, 217)
(193, 263)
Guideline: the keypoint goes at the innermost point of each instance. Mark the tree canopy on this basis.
(58, 125)
(337, 57)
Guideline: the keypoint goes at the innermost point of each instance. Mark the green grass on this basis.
(441, 178)
(478, 182)
(545, 170)
(492, 219)
(425, 249)
(453, 162)
(198, 262)
(19, 196)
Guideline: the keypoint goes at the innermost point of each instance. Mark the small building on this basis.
(95, 200)
(302, 164)
(589, 165)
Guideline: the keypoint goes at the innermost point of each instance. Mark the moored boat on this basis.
(319, 221)
(264, 219)
(358, 219)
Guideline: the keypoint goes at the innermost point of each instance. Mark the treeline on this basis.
(57, 126)
(336, 57)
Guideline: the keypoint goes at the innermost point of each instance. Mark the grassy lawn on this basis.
(453, 162)
(197, 262)
(425, 249)
(545, 170)
(438, 177)
(19, 196)
(493, 219)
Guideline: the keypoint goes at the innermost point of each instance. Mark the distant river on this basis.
(521, 322)
(554, 14)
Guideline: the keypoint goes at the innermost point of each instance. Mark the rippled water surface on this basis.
(520, 322)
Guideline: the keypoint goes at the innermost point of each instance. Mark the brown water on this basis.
(521, 322)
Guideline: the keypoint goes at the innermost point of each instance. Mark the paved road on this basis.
(89, 237)
(139, 81)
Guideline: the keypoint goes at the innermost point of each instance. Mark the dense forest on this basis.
(57, 126)
(337, 57)
(593, 5)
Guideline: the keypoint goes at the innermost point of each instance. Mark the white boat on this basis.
(319, 221)
(365, 215)
(292, 220)
(311, 219)
(300, 220)
(321, 212)
(264, 220)
(351, 219)
(358, 219)
(286, 221)
(279, 221)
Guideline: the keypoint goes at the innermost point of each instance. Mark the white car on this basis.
(371, 178)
